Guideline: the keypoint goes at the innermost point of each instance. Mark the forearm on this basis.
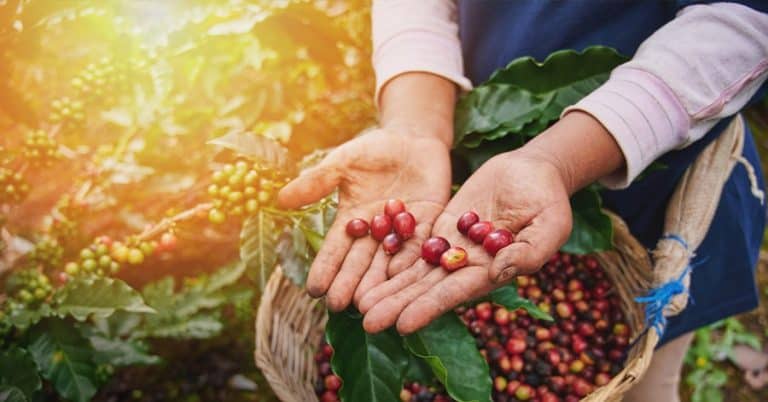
(419, 104)
(701, 67)
(580, 148)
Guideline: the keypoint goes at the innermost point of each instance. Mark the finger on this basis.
(394, 285)
(533, 245)
(311, 186)
(353, 268)
(375, 275)
(456, 288)
(411, 251)
(386, 312)
(329, 258)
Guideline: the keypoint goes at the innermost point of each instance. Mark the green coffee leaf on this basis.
(258, 244)
(18, 370)
(265, 150)
(566, 75)
(592, 228)
(448, 347)
(98, 297)
(508, 297)
(64, 357)
(489, 107)
(372, 367)
(117, 351)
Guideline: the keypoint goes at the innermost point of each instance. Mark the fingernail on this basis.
(506, 274)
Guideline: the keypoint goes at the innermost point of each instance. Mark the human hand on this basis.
(521, 191)
(387, 163)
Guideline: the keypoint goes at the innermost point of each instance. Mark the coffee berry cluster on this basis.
(67, 112)
(13, 186)
(100, 79)
(105, 256)
(28, 286)
(241, 188)
(391, 228)
(40, 149)
(47, 253)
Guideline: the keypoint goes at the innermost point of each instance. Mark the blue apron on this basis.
(723, 280)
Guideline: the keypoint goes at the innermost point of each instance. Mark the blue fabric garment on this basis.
(495, 32)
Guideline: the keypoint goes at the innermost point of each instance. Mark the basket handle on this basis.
(689, 215)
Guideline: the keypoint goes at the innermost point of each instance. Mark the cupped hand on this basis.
(519, 191)
(380, 165)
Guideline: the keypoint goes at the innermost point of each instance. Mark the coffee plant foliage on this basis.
(142, 147)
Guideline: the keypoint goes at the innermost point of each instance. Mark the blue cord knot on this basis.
(657, 299)
(675, 237)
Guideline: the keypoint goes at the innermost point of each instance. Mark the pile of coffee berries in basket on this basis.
(535, 360)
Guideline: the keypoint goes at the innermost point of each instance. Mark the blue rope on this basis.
(677, 238)
(657, 299)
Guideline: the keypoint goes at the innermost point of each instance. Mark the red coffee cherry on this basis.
(466, 221)
(357, 228)
(381, 226)
(404, 225)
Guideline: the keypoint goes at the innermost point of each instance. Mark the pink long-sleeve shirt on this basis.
(699, 68)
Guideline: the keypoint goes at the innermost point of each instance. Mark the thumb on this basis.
(533, 245)
(311, 185)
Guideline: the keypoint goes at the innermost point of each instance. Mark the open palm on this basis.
(367, 171)
(522, 194)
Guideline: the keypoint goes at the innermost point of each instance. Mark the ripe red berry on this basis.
(381, 226)
(404, 224)
(433, 248)
(479, 230)
(329, 396)
(515, 346)
(168, 242)
(484, 311)
(517, 363)
(357, 228)
(391, 244)
(466, 221)
(454, 258)
(581, 387)
(578, 344)
(512, 387)
(332, 382)
(393, 207)
(497, 240)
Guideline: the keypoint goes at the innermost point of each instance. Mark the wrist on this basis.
(419, 105)
(580, 148)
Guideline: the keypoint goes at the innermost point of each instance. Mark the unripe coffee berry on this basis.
(433, 248)
(391, 244)
(357, 228)
(466, 221)
(381, 226)
(393, 207)
(454, 258)
(479, 230)
(404, 224)
(497, 240)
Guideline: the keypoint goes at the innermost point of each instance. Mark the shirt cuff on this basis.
(642, 114)
(421, 51)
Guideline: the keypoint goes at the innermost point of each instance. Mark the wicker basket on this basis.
(290, 324)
